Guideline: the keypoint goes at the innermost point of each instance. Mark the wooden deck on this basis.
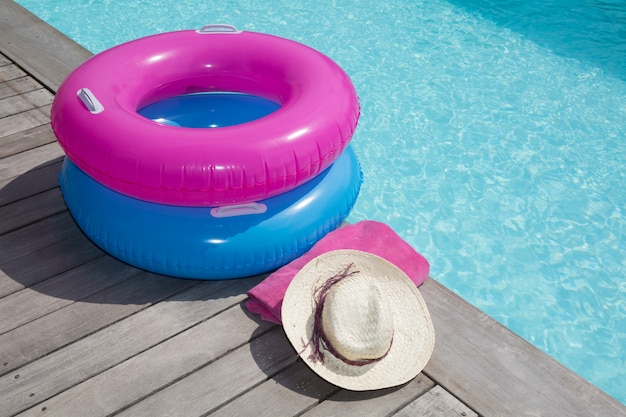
(82, 334)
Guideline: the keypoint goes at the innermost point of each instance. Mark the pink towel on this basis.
(368, 236)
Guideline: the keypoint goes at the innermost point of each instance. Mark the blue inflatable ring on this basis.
(212, 243)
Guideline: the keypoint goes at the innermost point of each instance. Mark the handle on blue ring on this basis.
(238, 210)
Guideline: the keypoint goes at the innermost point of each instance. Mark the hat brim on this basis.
(414, 335)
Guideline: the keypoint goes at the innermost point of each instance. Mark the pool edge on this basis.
(38, 48)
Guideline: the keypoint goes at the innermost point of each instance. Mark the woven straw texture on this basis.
(413, 333)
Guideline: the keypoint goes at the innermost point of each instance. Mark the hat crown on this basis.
(356, 318)
(345, 297)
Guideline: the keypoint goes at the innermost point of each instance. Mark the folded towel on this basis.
(368, 236)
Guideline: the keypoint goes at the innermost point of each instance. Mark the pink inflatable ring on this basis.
(94, 116)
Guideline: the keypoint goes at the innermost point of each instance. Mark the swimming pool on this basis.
(492, 139)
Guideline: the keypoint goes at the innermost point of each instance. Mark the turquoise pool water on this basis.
(492, 139)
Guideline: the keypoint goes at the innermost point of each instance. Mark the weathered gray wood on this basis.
(210, 342)
(372, 403)
(60, 328)
(437, 402)
(40, 49)
(10, 72)
(23, 102)
(26, 140)
(41, 264)
(218, 383)
(116, 343)
(37, 236)
(497, 373)
(19, 164)
(33, 181)
(13, 105)
(30, 210)
(23, 121)
(17, 86)
(60, 291)
(288, 393)
(37, 98)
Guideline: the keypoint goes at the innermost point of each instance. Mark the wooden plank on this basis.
(214, 385)
(31, 210)
(37, 236)
(48, 261)
(41, 50)
(60, 291)
(62, 327)
(495, 372)
(27, 101)
(375, 403)
(34, 181)
(24, 121)
(38, 98)
(10, 72)
(17, 86)
(13, 105)
(184, 358)
(22, 249)
(288, 393)
(15, 165)
(26, 139)
(437, 402)
(4, 60)
(93, 354)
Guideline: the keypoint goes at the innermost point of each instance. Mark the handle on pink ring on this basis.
(90, 101)
(218, 28)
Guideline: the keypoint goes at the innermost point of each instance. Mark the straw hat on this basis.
(358, 321)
